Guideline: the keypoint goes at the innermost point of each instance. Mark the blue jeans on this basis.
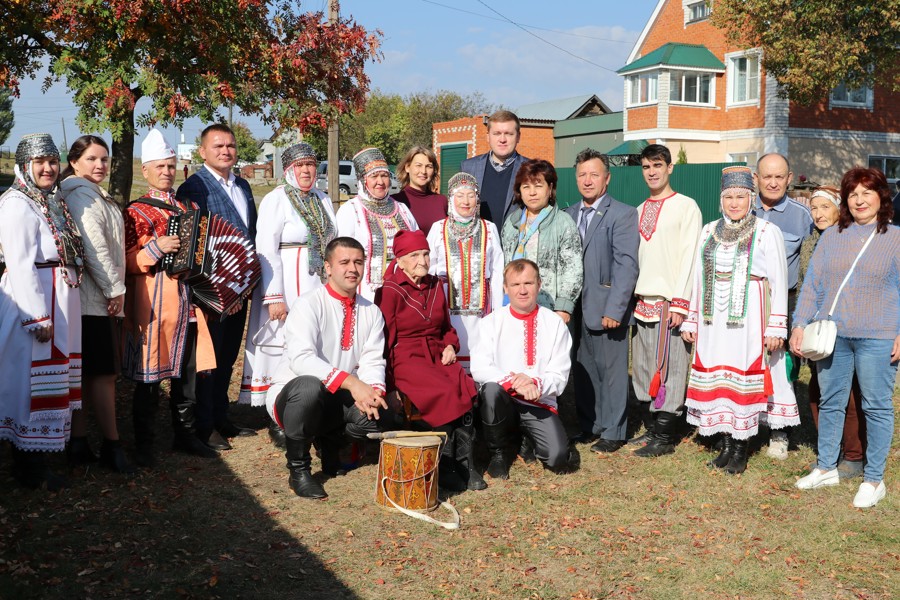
(871, 359)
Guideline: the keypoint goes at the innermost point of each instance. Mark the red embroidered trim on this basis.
(649, 218)
(680, 303)
(349, 326)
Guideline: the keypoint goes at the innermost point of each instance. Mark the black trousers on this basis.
(307, 410)
(499, 409)
(212, 389)
(182, 394)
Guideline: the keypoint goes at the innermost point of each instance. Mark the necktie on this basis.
(586, 214)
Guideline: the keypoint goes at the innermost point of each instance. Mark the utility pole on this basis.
(333, 162)
(65, 141)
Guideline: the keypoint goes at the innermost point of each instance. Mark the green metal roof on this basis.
(626, 148)
(694, 56)
(588, 125)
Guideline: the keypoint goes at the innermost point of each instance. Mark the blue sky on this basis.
(460, 45)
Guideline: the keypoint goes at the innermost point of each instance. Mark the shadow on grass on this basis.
(188, 529)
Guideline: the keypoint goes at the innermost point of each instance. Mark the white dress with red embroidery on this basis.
(282, 243)
(354, 220)
(670, 229)
(536, 344)
(40, 383)
(330, 337)
(487, 280)
(727, 386)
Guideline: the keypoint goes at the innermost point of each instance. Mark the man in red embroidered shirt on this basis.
(331, 375)
(669, 225)
(521, 359)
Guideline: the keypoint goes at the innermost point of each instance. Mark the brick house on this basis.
(454, 141)
(688, 86)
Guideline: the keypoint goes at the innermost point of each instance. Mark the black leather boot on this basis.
(329, 450)
(725, 452)
(144, 407)
(276, 434)
(648, 422)
(112, 456)
(663, 440)
(738, 462)
(526, 449)
(496, 438)
(465, 455)
(299, 463)
(186, 439)
(30, 470)
(79, 452)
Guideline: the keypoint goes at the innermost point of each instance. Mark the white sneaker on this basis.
(869, 495)
(818, 478)
(778, 445)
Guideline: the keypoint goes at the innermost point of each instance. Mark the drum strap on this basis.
(454, 524)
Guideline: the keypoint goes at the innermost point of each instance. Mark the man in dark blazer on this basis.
(609, 233)
(215, 188)
(496, 170)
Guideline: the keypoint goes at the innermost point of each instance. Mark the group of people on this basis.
(364, 323)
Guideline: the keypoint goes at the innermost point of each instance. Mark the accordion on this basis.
(215, 259)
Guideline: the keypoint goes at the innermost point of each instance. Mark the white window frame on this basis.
(731, 60)
(749, 158)
(680, 75)
(689, 7)
(881, 164)
(868, 103)
(643, 78)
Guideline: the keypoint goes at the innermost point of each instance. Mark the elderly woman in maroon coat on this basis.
(420, 347)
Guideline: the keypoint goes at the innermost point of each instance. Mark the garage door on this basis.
(451, 156)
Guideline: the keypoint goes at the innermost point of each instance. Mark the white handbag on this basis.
(819, 336)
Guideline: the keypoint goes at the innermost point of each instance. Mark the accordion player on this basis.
(215, 259)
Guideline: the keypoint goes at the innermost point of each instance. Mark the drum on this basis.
(408, 473)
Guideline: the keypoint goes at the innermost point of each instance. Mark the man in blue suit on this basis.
(609, 234)
(215, 188)
(496, 170)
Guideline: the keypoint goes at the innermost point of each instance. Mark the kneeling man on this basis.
(521, 360)
(332, 371)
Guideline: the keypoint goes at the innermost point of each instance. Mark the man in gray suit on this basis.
(609, 235)
(496, 183)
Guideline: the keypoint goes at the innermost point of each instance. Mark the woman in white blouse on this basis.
(296, 222)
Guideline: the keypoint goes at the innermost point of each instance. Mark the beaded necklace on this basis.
(318, 223)
(742, 235)
(65, 233)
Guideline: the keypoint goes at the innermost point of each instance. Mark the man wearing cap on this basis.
(609, 237)
(331, 375)
(373, 218)
(216, 189)
(521, 360)
(165, 337)
(495, 171)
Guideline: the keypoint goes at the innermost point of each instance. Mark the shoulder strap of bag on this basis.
(850, 272)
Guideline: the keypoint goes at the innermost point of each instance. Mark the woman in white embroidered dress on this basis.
(40, 314)
(296, 222)
(467, 256)
(738, 323)
(373, 218)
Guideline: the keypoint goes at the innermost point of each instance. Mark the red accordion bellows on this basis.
(217, 261)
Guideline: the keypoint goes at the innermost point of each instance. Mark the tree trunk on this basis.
(122, 171)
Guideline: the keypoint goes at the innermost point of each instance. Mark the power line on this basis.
(531, 33)
(484, 16)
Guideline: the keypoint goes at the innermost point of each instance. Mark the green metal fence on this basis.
(702, 182)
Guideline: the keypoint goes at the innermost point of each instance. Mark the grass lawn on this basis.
(619, 527)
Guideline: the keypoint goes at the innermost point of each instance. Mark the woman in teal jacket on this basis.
(537, 230)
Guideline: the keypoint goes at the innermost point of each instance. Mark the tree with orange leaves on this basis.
(189, 58)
